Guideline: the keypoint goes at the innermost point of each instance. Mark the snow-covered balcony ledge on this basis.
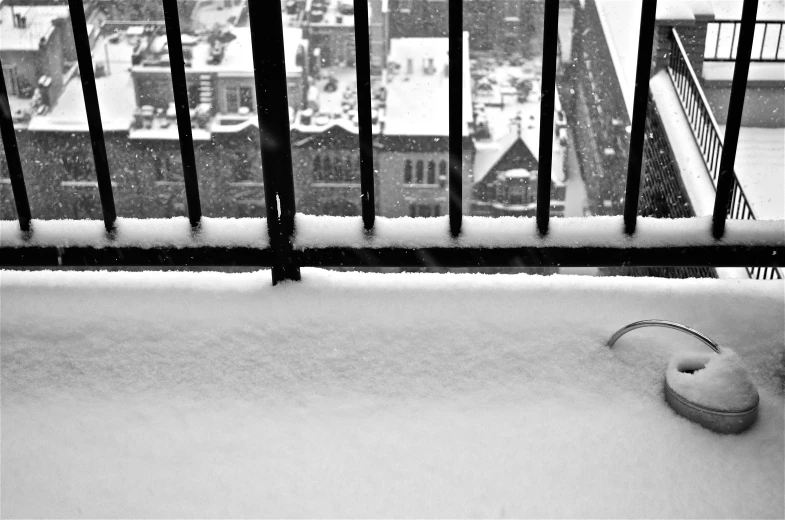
(354, 394)
(324, 232)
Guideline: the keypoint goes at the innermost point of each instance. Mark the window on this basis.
(238, 96)
(241, 166)
(168, 168)
(11, 82)
(317, 167)
(420, 171)
(511, 10)
(443, 173)
(76, 167)
(335, 168)
(425, 210)
(407, 172)
(431, 172)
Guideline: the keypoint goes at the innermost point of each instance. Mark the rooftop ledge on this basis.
(325, 232)
(167, 394)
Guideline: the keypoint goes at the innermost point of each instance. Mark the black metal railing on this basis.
(704, 125)
(272, 109)
(722, 39)
(707, 133)
(696, 108)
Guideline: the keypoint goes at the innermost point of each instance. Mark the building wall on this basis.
(378, 33)
(396, 196)
(425, 18)
(228, 169)
(26, 65)
(154, 88)
(599, 115)
(336, 42)
(48, 60)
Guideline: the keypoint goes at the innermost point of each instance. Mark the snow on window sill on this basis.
(423, 185)
(82, 184)
(247, 184)
(336, 185)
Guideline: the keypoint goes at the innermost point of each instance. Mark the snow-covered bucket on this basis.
(713, 390)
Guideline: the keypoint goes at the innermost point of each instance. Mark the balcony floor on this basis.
(216, 395)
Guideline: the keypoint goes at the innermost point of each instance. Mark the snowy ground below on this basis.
(408, 395)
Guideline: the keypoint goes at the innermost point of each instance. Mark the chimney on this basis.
(20, 21)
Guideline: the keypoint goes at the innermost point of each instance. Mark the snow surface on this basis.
(760, 168)
(693, 171)
(720, 381)
(369, 395)
(324, 231)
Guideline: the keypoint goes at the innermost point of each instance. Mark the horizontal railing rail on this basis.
(282, 251)
(722, 41)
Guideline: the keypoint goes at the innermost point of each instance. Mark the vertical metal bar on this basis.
(762, 41)
(639, 105)
(362, 41)
(12, 159)
(733, 42)
(455, 51)
(717, 44)
(272, 106)
(779, 42)
(180, 88)
(87, 75)
(733, 123)
(549, 47)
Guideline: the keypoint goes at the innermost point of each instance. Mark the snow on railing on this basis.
(399, 242)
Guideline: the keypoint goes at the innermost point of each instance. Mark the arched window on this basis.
(443, 174)
(420, 171)
(407, 172)
(351, 171)
(431, 172)
(327, 167)
(317, 167)
(338, 172)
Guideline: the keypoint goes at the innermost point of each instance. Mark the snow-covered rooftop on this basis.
(418, 99)
(38, 25)
(115, 90)
(370, 395)
(238, 54)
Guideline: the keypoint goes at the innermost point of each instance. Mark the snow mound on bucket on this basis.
(718, 381)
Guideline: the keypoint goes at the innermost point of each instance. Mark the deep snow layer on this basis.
(348, 394)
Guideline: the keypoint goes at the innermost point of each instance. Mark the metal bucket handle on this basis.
(667, 324)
